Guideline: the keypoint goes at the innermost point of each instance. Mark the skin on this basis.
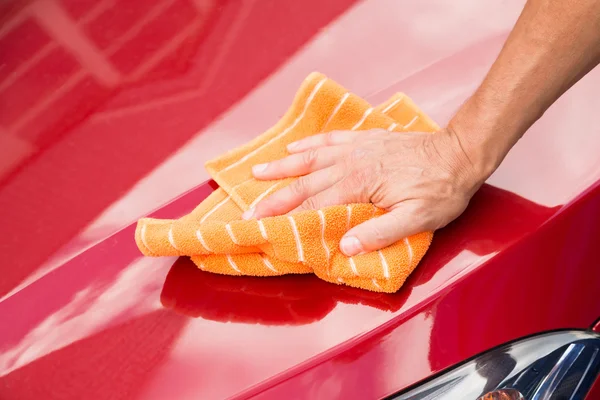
(425, 181)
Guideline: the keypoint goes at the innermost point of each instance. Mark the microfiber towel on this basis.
(218, 240)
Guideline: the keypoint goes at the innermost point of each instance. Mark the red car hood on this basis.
(139, 98)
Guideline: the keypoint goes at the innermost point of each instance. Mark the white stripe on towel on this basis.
(392, 105)
(143, 237)
(215, 208)
(336, 109)
(348, 216)
(264, 194)
(384, 264)
(297, 237)
(322, 218)
(353, 266)
(171, 238)
(235, 267)
(409, 250)
(230, 233)
(284, 132)
(201, 239)
(412, 121)
(268, 264)
(362, 120)
(234, 187)
(263, 231)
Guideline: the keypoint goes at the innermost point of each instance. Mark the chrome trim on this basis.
(539, 367)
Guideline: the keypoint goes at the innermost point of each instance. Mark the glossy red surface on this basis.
(594, 392)
(108, 111)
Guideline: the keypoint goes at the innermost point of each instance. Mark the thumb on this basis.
(382, 231)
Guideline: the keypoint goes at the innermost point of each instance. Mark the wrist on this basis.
(485, 133)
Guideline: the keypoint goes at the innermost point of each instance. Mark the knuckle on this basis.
(357, 154)
(299, 187)
(379, 168)
(356, 186)
(358, 177)
(310, 204)
(330, 138)
(309, 158)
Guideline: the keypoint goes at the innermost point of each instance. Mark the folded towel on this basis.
(219, 241)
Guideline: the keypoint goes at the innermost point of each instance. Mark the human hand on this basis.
(424, 180)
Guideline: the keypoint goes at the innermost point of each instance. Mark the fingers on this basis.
(382, 231)
(290, 197)
(339, 193)
(299, 164)
(333, 138)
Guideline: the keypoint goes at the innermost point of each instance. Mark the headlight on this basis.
(552, 366)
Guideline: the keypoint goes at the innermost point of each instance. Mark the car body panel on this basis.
(124, 127)
(594, 392)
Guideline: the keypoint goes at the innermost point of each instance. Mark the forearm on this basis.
(552, 46)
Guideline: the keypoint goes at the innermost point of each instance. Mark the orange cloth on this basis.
(219, 241)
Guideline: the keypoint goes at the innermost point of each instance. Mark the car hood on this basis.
(126, 133)
(118, 322)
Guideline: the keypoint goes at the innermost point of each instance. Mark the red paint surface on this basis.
(595, 391)
(90, 120)
(74, 159)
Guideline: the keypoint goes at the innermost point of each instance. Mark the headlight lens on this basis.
(503, 394)
(558, 365)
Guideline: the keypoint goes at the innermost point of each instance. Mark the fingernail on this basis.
(258, 168)
(350, 246)
(292, 146)
(248, 214)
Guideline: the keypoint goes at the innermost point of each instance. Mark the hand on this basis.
(424, 180)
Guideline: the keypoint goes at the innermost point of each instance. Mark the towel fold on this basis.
(219, 241)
